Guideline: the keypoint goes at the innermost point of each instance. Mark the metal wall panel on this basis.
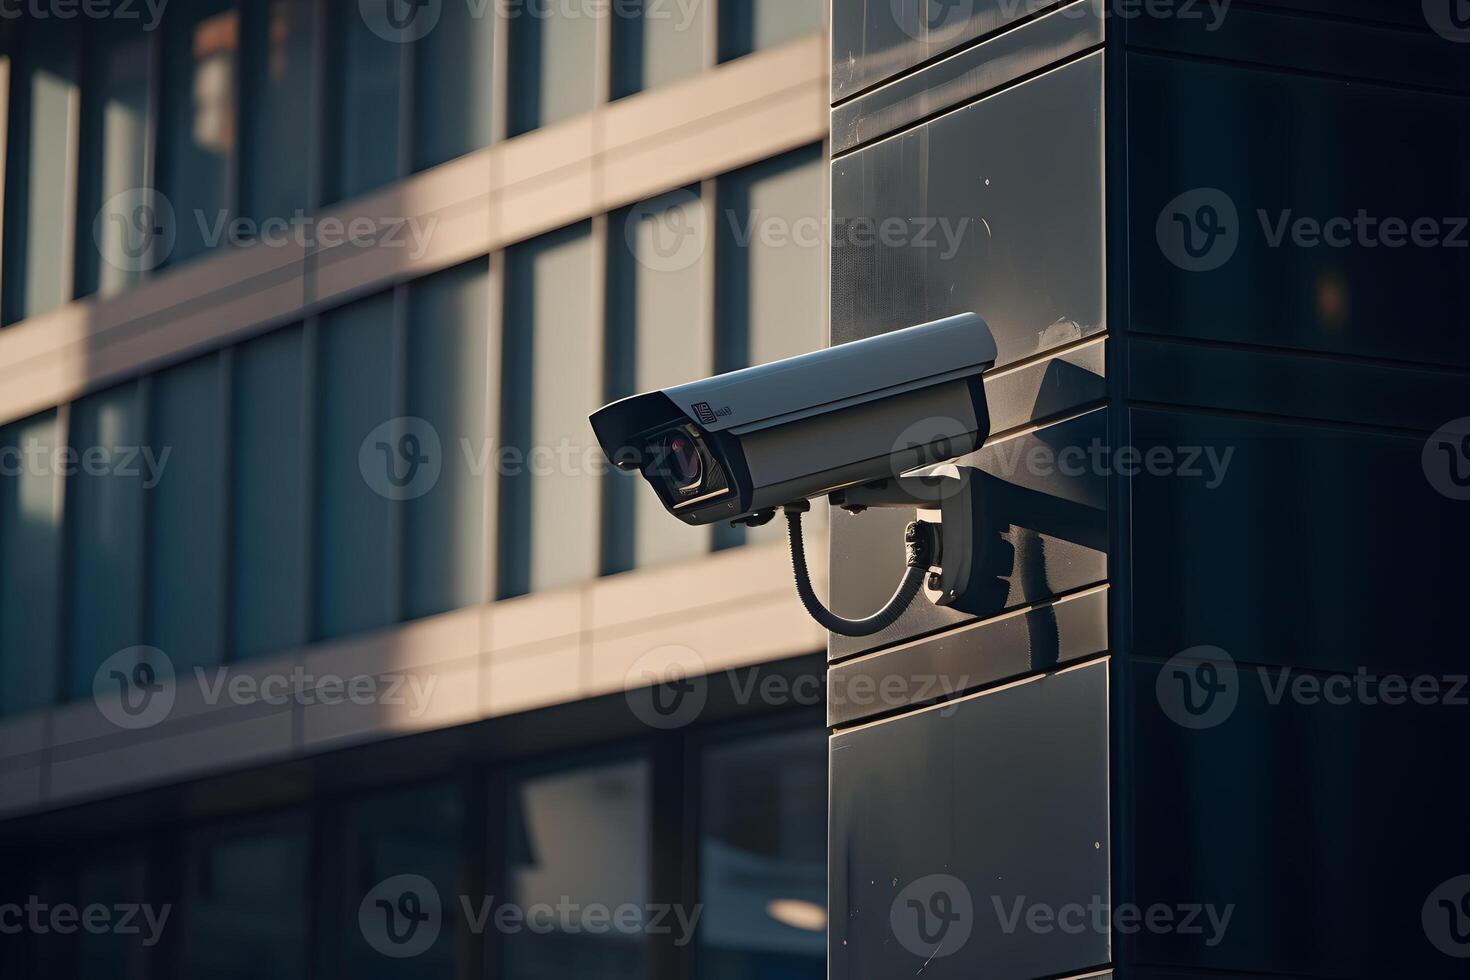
(874, 40)
(1324, 829)
(1040, 638)
(945, 821)
(982, 210)
(968, 74)
(1251, 278)
(1321, 547)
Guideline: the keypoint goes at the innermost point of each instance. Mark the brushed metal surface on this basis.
(958, 78)
(983, 209)
(874, 40)
(1040, 638)
(1006, 794)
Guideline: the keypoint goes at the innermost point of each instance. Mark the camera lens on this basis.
(686, 467)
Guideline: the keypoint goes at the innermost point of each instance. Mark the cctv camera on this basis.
(738, 444)
(848, 420)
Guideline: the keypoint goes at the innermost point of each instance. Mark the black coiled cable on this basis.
(908, 588)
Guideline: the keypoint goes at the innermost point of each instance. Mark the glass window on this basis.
(245, 905)
(268, 482)
(578, 839)
(656, 338)
(443, 532)
(17, 957)
(552, 381)
(183, 473)
(44, 105)
(453, 82)
(367, 82)
(354, 587)
(750, 25)
(403, 855)
(655, 43)
(276, 108)
(91, 954)
(116, 230)
(197, 146)
(551, 49)
(771, 250)
(30, 562)
(111, 954)
(763, 858)
(104, 532)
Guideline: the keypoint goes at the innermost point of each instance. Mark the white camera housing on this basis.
(740, 444)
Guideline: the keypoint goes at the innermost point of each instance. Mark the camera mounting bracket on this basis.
(948, 488)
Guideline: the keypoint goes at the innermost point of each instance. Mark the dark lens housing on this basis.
(680, 465)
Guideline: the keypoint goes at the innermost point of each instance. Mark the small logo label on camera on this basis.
(707, 413)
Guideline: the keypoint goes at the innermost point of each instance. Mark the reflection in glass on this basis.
(656, 338)
(244, 913)
(550, 51)
(551, 381)
(578, 840)
(443, 530)
(43, 102)
(354, 587)
(750, 25)
(30, 557)
(763, 859)
(367, 73)
(656, 43)
(114, 158)
(770, 300)
(418, 832)
(452, 83)
(268, 509)
(111, 954)
(104, 534)
(186, 513)
(198, 144)
(276, 114)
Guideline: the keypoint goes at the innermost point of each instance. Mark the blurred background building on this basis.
(310, 575)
